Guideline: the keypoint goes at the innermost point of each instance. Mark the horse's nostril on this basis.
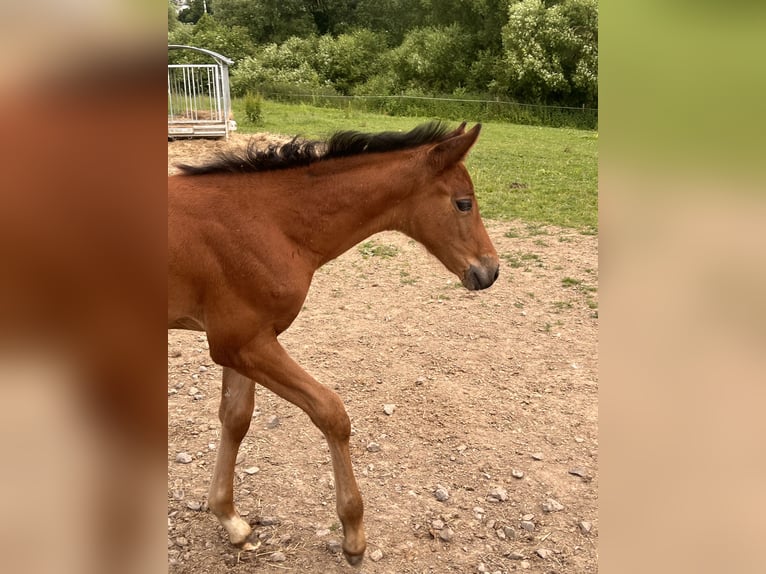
(497, 273)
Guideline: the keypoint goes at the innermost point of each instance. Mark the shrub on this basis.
(254, 107)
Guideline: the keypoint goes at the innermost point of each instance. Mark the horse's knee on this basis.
(332, 418)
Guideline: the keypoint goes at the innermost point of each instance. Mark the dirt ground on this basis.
(495, 398)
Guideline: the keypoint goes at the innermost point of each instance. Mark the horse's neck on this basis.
(353, 203)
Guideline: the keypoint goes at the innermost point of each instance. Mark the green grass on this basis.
(537, 174)
(373, 249)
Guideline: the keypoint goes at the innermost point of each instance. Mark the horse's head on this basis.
(445, 214)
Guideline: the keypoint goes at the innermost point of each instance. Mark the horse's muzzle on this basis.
(479, 277)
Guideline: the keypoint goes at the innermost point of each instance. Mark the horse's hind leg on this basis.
(235, 413)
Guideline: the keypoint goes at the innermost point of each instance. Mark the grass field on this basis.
(537, 174)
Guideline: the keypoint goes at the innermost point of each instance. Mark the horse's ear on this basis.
(459, 131)
(453, 150)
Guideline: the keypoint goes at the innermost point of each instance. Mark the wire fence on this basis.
(450, 108)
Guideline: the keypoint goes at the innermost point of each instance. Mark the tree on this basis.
(349, 59)
(232, 42)
(268, 20)
(195, 11)
(431, 59)
(482, 20)
(393, 17)
(333, 16)
(172, 16)
(550, 52)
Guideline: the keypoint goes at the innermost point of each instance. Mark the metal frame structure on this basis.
(199, 100)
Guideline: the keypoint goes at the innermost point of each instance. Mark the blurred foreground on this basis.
(82, 245)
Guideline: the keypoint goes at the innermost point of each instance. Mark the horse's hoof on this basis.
(354, 559)
(248, 546)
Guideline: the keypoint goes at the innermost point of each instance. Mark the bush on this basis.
(433, 59)
(254, 108)
(350, 59)
(253, 75)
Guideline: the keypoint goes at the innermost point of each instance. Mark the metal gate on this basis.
(199, 103)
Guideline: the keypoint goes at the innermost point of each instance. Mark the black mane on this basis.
(298, 152)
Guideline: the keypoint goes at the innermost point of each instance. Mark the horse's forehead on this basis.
(457, 175)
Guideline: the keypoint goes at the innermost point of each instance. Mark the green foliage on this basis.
(432, 59)
(392, 17)
(268, 20)
(195, 11)
(551, 52)
(486, 59)
(232, 42)
(254, 108)
(279, 66)
(350, 59)
(172, 17)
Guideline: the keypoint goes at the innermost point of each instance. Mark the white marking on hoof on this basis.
(250, 547)
(238, 530)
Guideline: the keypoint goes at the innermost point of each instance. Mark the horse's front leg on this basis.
(269, 364)
(235, 413)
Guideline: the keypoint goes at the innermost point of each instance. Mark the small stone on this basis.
(193, 505)
(181, 541)
(202, 369)
(585, 526)
(537, 455)
(527, 525)
(544, 553)
(441, 493)
(446, 534)
(524, 564)
(389, 409)
(376, 555)
(193, 391)
(552, 505)
(334, 547)
(510, 533)
(497, 495)
(420, 381)
(373, 447)
(269, 521)
(515, 556)
(184, 458)
(437, 524)
(500, 534)
(528, 517)
(481, 568)
(323, 532)
(579, 439)
(277, 557)
(517, 473)
(581, 472)
(272, 422)
(491, 524)
(251, 470)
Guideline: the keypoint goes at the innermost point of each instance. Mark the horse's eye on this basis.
(464, 204)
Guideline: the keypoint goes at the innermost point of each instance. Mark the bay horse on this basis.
(247, 231)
